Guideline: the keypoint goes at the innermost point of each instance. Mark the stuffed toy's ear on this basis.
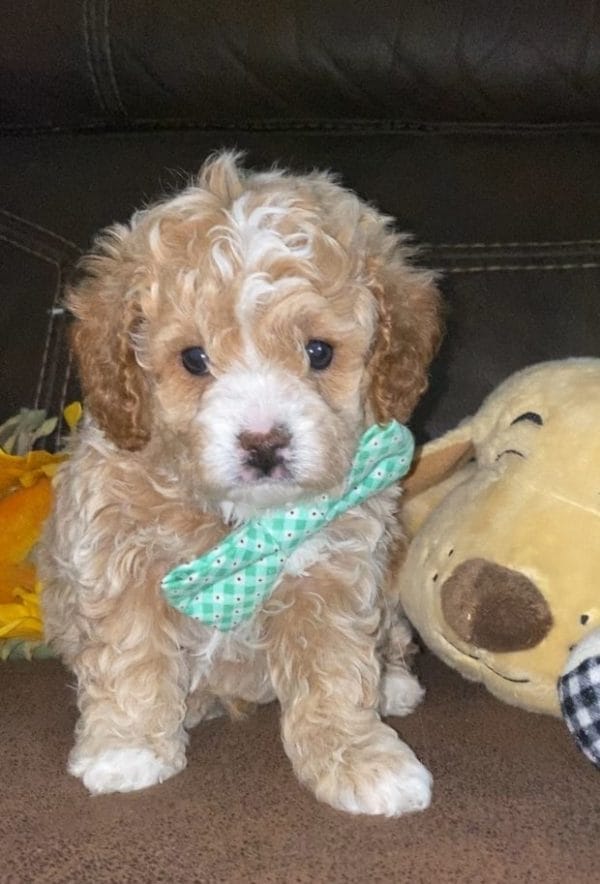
(439, 467)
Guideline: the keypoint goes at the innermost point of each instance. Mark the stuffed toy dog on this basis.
(501, 578)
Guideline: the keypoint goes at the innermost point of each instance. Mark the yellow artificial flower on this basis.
(25, 502)
(20, 615)
(26, 469)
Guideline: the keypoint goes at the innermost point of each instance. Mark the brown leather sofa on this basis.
(477, 125)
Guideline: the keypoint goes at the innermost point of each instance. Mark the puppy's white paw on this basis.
(371, 781)
(400, 692)
(121, 770)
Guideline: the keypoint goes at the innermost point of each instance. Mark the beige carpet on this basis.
(513, 802)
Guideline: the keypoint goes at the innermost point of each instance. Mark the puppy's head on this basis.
(244, 332)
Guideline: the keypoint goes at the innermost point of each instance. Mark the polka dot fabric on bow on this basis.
(225, 586)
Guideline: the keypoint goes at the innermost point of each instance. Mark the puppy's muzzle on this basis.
(266, 451)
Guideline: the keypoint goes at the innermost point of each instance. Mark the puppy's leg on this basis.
(324, 666)
(201, 705)
(132, 683)
(400, 692)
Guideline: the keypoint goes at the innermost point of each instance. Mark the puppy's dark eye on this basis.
(532, 416)
(195, 360)
(320, 354)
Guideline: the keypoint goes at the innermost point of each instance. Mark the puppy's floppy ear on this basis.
(107, 314)
(408, 334)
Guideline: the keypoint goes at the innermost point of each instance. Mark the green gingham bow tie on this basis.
(226, 585)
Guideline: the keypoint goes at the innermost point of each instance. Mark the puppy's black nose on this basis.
(264, 449)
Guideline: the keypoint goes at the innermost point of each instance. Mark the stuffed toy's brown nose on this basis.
(494, 608)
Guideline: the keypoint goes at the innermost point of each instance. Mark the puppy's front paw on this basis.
(400, 692)
(377, 780)
(121, 770)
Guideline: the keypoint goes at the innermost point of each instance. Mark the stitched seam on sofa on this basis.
(49, 327)
(341, 127)
(108, 56)
(20, 245)
(510, 245)
(42, 377)
(95, 20)
(491, 268)
(57, 318)
(56, 363)
(32, 224)
(377, 126)
(511, 256)
(88, 55)
(582, 246)
(514, 254)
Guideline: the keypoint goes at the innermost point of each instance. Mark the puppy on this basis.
(251, 312)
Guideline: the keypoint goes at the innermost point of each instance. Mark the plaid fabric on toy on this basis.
(579, 694)
(226, 585)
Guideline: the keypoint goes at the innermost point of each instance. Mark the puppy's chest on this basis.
(361, 535)
(365, 529)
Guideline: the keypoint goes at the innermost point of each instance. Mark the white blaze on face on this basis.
(257, 400)
(256, 396)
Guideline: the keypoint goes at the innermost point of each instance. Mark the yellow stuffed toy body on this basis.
(501, 577)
